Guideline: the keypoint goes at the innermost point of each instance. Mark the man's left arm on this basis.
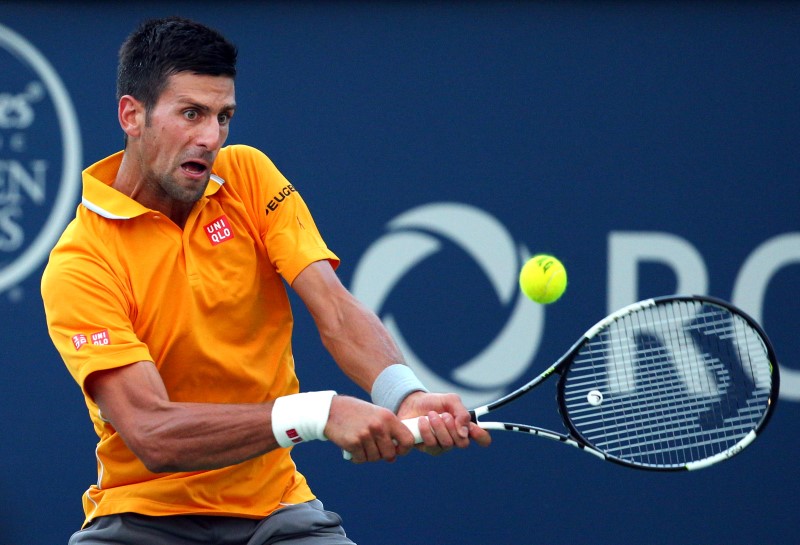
(364, 350)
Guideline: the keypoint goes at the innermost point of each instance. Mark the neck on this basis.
(132, 182)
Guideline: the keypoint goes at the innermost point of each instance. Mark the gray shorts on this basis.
(302, 524)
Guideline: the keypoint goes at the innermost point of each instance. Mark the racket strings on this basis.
(680, 382)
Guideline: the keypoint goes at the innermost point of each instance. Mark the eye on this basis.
(191, 115)
(224, 119)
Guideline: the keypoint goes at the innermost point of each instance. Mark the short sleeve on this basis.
(88, 311)
(287, 228)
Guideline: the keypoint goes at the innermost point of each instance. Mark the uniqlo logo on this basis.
(219, 230)
(101, 337)
(79, 340)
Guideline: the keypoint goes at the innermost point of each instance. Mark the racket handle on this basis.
(413, 426)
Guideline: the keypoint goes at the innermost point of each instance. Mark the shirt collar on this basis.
(104, 200)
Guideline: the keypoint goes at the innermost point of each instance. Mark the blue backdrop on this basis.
(652, 146)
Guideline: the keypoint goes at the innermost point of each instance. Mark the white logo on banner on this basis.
(417, 235)
(30, 84)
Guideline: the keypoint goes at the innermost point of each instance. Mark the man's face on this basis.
(182, 135)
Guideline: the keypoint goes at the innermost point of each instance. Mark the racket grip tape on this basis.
(413, 426)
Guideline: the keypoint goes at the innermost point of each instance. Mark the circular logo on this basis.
(39, 186)
(417, 235)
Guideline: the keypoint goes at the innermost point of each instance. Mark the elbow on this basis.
(157, 463)
(155, 448)
(156, 442)
(156, 456)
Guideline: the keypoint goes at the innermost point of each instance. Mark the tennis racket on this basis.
(666, 384)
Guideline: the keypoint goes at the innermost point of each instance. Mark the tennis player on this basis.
(165, 298)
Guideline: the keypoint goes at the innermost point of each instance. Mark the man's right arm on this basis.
(179, 436)
(174, 436)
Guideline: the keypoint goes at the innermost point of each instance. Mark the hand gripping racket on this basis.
(671, 383)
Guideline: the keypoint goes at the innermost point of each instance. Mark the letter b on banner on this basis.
(627, 249)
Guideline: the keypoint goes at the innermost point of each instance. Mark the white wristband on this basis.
(393, 385)
(301, 417)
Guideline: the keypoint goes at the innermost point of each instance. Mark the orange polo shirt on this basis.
(206, 304)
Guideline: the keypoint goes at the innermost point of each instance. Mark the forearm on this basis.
(178, 436)
(359, 343)
(196, 436)
(352, 334)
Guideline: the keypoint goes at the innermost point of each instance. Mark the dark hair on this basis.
(160, 48)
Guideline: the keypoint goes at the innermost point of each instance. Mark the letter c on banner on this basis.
(751, 288)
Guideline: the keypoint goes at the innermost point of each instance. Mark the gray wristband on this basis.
(393, 385)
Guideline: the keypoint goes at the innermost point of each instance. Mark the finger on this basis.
(404, 441)
(443, 427)
(452, 404)
(426, 431)
(462, 422)
(479, 435)
(356, 456)
(460, 433)
(387, 447)
(372, 452)
(430, 443)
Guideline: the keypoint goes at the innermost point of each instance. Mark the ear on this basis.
(131, 116)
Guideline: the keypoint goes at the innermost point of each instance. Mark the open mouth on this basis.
(194, 168)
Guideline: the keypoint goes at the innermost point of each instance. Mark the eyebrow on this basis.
(205, 109)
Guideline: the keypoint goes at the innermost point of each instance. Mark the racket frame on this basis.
(574, 438)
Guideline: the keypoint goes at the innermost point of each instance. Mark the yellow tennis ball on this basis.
(543, 279)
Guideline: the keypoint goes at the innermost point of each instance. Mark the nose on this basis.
(211, 134)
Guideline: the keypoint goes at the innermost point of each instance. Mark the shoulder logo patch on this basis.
(79, 340)
(101, 337)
